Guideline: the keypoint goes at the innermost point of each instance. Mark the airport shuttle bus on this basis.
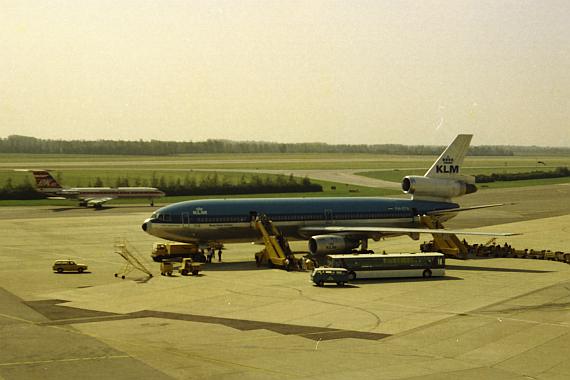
(360, 266)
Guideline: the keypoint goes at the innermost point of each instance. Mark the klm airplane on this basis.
(331, 225)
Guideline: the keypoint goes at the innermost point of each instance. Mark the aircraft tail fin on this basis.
(44, 180)
(449, 163)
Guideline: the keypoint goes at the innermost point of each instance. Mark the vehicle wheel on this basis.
(80, 270)
(352, 276)
(195, 272)
(59, 270)
(123, 277)
(427, 273)
(184, 272)
(320, 283)
(340, 283)
(170, 273)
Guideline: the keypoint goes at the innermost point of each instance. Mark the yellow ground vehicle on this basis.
(172, 250)
(166, 268)
(68, 266)
(188, 267)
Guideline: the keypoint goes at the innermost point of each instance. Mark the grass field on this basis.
(81, 170)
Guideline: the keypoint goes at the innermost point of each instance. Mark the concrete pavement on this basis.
(496, 318)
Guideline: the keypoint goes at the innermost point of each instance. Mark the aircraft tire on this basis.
(427, 273)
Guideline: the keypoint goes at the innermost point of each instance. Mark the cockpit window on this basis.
(165, 217)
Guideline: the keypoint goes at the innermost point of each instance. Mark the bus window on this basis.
(367, 263)
(352, 263)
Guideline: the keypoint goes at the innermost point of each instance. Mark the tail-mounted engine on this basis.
(439, 188)
(328, 244)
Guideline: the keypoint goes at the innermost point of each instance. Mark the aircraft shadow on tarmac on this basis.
(59, 314)
(365, 281)
(95, 209)
(72, 208)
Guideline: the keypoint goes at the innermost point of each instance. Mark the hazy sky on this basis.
(356, 72)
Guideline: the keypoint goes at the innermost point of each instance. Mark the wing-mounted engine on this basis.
(438, 188)
(329, 244)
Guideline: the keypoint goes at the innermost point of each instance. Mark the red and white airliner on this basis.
(89, 196)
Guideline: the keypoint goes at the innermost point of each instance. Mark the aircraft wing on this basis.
(458, 209)
(97, 201)
(378, 232)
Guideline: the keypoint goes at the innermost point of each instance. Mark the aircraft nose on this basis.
(147, 225)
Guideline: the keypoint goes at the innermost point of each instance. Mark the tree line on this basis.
(560, 172)
(32, 145)
(211, 184)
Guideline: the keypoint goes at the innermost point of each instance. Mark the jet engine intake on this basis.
(436, 187)
(328, 244)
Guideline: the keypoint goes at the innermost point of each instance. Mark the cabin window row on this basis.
(280, 218)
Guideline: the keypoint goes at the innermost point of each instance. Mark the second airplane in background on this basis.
(90, 196)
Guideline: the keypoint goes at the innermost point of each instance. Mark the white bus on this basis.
(425, 264)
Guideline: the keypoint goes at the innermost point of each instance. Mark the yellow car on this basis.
(68, 266)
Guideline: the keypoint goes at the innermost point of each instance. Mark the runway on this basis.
(496, 318)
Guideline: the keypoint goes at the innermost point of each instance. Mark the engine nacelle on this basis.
(327, 244)
(439, 188)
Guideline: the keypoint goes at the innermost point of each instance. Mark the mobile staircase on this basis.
(446, 244)
(133, 258)
(277, 249)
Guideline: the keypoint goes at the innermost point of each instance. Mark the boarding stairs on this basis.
(446, 244)
(133, 258)
(276, 249)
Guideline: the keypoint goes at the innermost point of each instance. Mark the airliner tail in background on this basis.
(443, 180)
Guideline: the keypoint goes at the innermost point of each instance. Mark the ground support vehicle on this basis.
(277, 252)
(166, 268)
(322, 275)
(188, 266)
(564, 257)
(550, 255)
(174, 250)
(447, 244)
(535, 254)
(519, 252)
(68, 266)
